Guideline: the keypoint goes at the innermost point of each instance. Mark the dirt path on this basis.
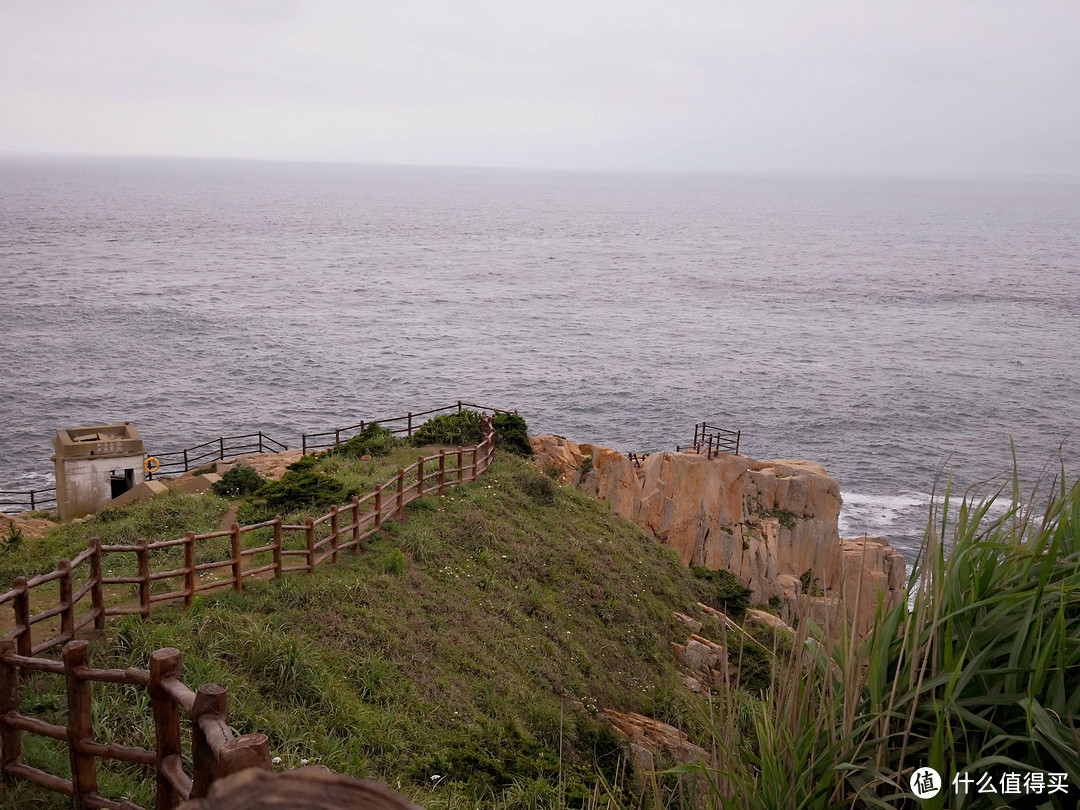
(229, 518)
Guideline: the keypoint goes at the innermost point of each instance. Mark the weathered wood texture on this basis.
(314, 788)
(216, 751)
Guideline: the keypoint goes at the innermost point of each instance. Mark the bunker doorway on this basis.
(121, 481)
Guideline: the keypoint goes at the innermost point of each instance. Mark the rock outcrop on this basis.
(773, 524)
(650, 739)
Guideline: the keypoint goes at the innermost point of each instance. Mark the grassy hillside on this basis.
(461, 658)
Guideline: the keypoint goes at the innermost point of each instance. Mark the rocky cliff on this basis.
(773, 524)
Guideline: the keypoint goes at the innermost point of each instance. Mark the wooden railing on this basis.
(81, 600)
(398, 425)
(174, 462)
(28, 500)
(215, 750)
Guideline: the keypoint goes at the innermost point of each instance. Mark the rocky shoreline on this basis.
(773, 524)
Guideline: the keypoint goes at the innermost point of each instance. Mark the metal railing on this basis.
(191, 458)
(398, 425)
(28, 500)
(710, 440)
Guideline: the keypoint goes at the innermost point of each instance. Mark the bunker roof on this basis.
(100, 441)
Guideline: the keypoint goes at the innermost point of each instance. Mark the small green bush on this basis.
(540, 488)
(299, 489)
(723, 592)
(303, 463)
(512, 434)
(810, 584)
(459, 429)
(371, 441)
(394, 562)
(239, 481)
(15, 536)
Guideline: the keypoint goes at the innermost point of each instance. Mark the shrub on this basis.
(512, 434)
(303, 463)
(723, 592)
(456, 429)
(371, 441)
(300, 489)
(239, 481)
(538, 487)
(15, 536)
(394, 562)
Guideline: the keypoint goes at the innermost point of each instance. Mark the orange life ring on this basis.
(151, 465)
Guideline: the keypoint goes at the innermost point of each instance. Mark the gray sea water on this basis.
(886, 328)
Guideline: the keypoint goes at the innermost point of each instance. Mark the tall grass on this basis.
(978, 672)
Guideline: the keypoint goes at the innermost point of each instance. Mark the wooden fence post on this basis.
(21, 605)
(210, 707)
(164, 664)
(378, 506)
(67, 609)
(10, 737)
(221, 447)
(143, 557)
(356, 524)
(237, 560)
(97, 590)
(80, 726)
(410, 424)
(460, 462)
(400, 513)
(442, 470)
(277, 547)
(334, 534)
(420, 477)
(309, 536)
(189, 568)
(473, 467)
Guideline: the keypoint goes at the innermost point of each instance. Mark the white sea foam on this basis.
(902, 518)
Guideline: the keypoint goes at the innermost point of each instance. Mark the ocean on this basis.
(899, 331)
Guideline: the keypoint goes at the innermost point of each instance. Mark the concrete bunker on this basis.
(94, 465)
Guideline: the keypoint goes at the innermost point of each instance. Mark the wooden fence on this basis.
(191, 458)
(83, 597)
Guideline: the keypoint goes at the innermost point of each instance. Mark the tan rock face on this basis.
(649, 738)
(268, 465)
(771, 523)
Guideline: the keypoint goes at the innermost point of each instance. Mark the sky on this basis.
(915, 86)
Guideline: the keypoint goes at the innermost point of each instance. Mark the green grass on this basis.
(164, 517)
(474, 642)
(981, 674)
(463, 658)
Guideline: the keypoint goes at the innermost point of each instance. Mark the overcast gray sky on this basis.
(836, 85)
